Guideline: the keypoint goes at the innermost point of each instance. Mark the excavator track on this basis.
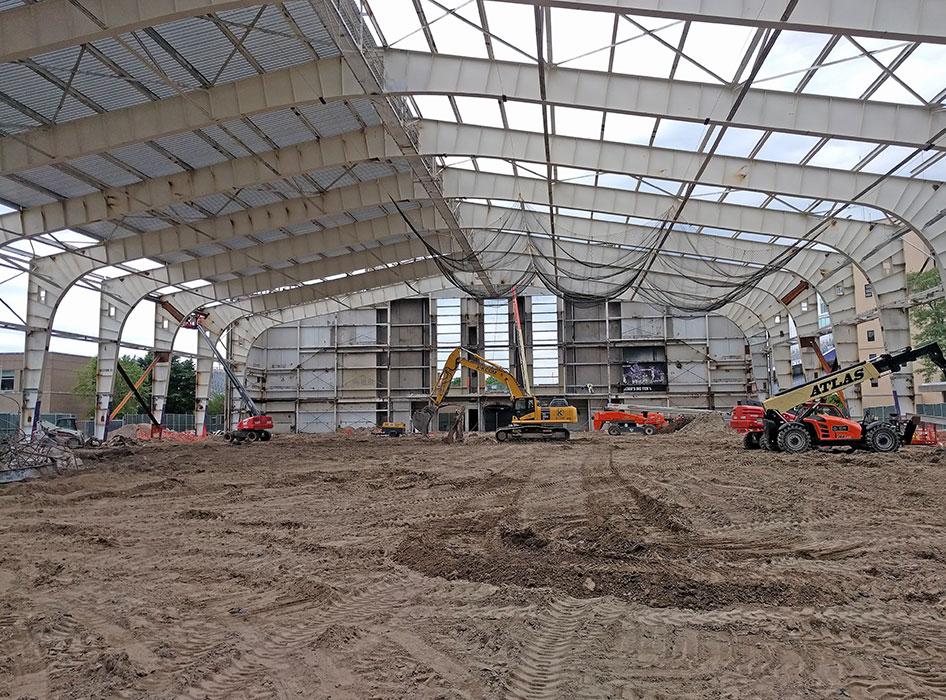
(532, 433)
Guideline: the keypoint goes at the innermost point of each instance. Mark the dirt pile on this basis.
(708, 425)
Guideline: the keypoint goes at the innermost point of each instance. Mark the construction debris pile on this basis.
(24, 457)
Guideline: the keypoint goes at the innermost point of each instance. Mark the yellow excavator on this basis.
(531, 421)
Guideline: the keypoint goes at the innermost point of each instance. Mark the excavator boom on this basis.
(422, 418)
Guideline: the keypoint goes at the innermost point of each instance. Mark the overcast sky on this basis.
(582, 39)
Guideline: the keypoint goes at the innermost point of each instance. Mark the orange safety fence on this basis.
(147, 432)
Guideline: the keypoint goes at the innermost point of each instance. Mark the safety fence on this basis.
(178, 422)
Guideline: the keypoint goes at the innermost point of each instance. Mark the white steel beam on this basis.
(37, 28)
(423, 73)
(855, 238)
(907, 20)
(907, 198)
(411, 72)
(230, 175)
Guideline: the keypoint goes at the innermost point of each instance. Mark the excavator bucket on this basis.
(422, 417)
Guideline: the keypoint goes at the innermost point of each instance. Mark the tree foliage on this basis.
(181, 387)
(928, 317)
(216, 405)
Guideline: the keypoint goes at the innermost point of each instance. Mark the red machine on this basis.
(257, 425)
(618, 422)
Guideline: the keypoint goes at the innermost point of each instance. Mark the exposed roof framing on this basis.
(254, 144)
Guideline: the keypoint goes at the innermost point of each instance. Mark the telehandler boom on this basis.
(798, 419)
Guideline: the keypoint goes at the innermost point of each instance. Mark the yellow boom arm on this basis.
(477, 364)
(855, 374)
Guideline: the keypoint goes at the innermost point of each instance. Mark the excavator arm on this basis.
(853, 375)
(421, 418)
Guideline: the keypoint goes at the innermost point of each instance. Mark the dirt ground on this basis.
(360, 566)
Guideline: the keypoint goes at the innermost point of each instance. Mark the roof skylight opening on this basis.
(452, 34)
(718, 48)
(524, 116)
(746, 198)
(923, 71)
(435, 107)
(580, 39)
(789, 60)
(680, 135)
(787, 148)
(618, 181)
(639, 53)
(786, 203)
(739, 142)
(846, 73)
(577, 213)
(576, 176)
(842, 154)
(400, 24)
(495, 165)
(582, 123)
(612, 218)
(515, 25)
(628, 128)
(479, 110)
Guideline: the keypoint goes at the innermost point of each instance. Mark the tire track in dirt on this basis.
(543, 662)
(267, 653)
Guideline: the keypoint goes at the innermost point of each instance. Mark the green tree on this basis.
(929, 317)
(182, 384)
(182, 387)
(216, 405)
(85, 384)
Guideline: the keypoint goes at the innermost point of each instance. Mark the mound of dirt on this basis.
(707, 425)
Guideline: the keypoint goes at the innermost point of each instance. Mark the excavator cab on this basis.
(524, 407)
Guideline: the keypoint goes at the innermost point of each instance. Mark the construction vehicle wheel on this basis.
(252, 436)
(648, 430)
(882, 437)
(793, 438)
(752, 441)
(614, 430)
(764, 443)
(502, 435)
(265, 436)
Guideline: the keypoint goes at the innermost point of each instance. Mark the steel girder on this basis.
(38, 28)
(909, 20)
(913, 201)
(158, 193)
(410, 73)
(46, 26)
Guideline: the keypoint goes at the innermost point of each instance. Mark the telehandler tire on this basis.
(882, 437)
(793, 438)
(751, 441)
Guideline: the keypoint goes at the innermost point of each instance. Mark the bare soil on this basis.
(360, 566)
